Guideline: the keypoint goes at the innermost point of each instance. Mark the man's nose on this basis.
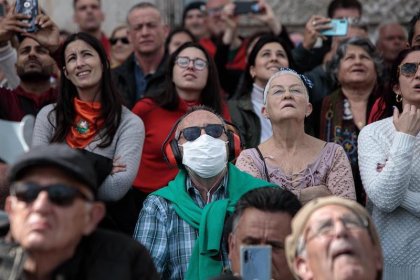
(41, 203)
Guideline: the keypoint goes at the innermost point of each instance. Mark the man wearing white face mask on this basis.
(182, 224)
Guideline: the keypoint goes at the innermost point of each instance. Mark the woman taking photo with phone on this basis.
(89, 115)
(389, 163)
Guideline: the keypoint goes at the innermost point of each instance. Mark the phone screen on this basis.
(339, 28)
(246, 7)
(2, 10)
(256, 262)
(28, 7)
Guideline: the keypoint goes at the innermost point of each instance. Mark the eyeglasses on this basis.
(408, 69)
(184, 61)
(123, 40)
(193, 132)
(214, 11)
(59, 194)
(327, 228)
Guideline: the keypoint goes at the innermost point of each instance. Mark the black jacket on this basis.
(125, 80)
(102, 255)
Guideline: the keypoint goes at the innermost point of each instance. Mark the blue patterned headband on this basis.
(306, 81)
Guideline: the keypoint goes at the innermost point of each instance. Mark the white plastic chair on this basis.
(15, 138)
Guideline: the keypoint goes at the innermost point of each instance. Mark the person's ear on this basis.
(166, 30)
(379, 261)
(309, 109)
(396, 88)
(65, 72)
(8, 205)
(95, 214)
(252, 71)
(232, 245)
(264, 112)
(300, 266)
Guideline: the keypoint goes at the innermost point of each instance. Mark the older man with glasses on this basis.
(53, 216)
(334, 238)
(182, 224)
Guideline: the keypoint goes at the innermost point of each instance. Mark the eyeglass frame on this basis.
(408, 76)
(39, 188)
(304, 239)
(206, 64)
(123, 40)
(181, 132)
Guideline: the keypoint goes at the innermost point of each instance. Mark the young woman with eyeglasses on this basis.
(191, 80)
(120, 46)
(389, 164)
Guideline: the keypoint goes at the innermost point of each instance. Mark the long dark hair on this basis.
(210, 95)
(262, 41)
(111, 101)
(387, 100)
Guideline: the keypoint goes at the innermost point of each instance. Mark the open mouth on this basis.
(83, 74)
(288, 106)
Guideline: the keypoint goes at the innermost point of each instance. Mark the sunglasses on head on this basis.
(59, 194)
(408, 69)
(123, 40)
(193, 132)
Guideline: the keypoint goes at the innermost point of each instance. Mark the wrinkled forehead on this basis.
(282, 78)
(329, 212)
(199, 118)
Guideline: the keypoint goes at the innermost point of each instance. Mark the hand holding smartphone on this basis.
(29, 8)
(339, 28)
(255, 262)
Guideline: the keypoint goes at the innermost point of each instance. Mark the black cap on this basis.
(196, 5)
(58, 155)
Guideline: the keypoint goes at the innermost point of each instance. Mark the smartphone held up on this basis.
(339, 27)
(29, 8)
(255, 262)
(247, 7)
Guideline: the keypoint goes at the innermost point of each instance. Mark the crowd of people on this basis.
(161, 151)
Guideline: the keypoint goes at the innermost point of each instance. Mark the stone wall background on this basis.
(292, 13)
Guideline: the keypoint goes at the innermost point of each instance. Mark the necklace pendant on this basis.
(82, 126)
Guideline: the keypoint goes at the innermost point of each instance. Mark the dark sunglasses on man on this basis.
(408, 69)
(58, 194)
(123, 40)
(193, 132)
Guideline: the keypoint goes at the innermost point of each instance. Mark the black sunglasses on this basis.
(123, 40)
(59, 194)
(193, 132)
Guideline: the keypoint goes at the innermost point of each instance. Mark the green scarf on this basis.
(205, 259)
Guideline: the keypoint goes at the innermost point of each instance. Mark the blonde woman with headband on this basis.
(291, 158)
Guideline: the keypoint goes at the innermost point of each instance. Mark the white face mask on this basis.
(206, 156)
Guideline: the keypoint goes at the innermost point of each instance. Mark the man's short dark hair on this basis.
(412, 27)
(267, 199)
(75, 2)
(142, 5)
(343, 4)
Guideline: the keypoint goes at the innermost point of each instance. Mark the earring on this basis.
(398, 98)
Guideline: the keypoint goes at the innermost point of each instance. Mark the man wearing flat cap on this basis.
(53, 217)
(334, 238)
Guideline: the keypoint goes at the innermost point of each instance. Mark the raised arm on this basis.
(385, 158)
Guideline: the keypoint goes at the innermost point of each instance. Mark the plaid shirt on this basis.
(169, 239)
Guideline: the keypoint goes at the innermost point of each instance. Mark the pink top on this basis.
(331, 169)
